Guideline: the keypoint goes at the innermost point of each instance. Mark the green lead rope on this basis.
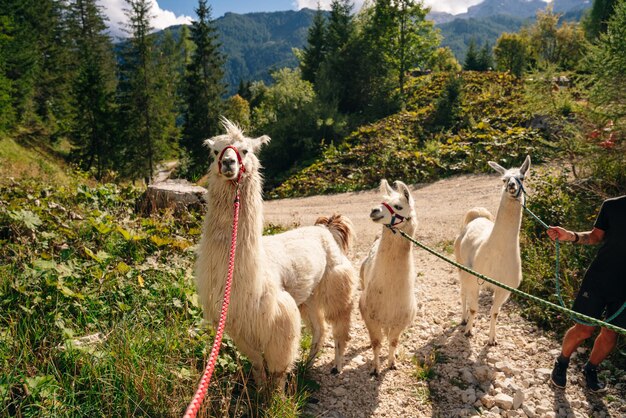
(540, 301)
(557, 280)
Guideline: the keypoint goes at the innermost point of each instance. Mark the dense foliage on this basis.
(414, 145)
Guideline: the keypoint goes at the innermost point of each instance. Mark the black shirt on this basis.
(607, 272)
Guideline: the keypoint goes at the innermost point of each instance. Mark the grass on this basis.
(99, 315)
(21, 161)
(424, 368)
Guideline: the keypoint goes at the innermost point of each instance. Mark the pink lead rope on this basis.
(196, 402)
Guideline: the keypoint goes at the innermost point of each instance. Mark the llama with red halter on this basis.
(387, 302)
(276, 277)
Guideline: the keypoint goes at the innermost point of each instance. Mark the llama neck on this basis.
(508, 221)
(219, 222)
(396, 244)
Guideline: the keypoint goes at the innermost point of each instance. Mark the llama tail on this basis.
(342, 229)
(478, 212)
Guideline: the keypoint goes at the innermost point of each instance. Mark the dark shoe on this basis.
(591, 377)
(559, 374)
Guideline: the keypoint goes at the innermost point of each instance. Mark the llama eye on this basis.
(244, 152)
(215, 152)
(398, 207)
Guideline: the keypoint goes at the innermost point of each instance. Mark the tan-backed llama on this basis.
(492, 248)
(387, 302)
(274, 276)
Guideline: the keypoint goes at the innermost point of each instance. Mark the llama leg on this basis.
(462, 279)
(499, 297)
(336, 296)
(394, 338)
(341, 335)
(313, 315)
(256, 358)
(471, 294)
(283, 339)
(376, 338)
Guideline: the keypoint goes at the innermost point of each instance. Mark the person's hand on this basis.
(562, 234)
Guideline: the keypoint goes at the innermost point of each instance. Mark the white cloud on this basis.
(450, 6)
(114, 10)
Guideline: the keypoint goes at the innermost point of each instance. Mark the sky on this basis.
(173, 12)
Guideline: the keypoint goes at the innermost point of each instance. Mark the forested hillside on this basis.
(255, 44)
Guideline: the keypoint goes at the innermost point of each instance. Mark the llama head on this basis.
(234, 153)
(513, 178)
(397, 205)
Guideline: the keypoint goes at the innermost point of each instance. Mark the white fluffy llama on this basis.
(387, 302)
(273, 276)
(492, 248)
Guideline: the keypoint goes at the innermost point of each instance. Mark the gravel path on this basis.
(467, 378)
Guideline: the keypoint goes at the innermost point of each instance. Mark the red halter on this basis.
(242, 168)
(394, 216)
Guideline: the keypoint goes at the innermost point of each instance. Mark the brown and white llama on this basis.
(274, 276)
(387, 302)
(492, 248)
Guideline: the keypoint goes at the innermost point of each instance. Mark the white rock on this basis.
(542, 410)
(488, 401)
(505, 367)
(495, 410)
(529, 411)
(468, 396)
(543, 373)
(518, 399)
(340, 391)
(482, 373)
(359, 360)
(504, 401)
(467, 376)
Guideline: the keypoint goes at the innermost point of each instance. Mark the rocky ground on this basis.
(441, 372)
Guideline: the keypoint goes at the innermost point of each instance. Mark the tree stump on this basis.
(178, 195)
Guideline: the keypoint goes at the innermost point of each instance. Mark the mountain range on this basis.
(257, 43)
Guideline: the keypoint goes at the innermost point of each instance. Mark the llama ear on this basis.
(209, 143)
(497, 167)
(525, 166)
(385, 188)
(257, 143)
(404, 189)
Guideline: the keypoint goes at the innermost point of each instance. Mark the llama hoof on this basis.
(393, 367)
(374, 373)
(464, 322)
(468, 333)
(492, 343)
(334, 370)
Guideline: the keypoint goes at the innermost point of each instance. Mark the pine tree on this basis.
(38, 62)
(94, 87)
(471, 58)
(335, 78)
(608, 70)
(141, 135)
(7, 113)
(204, 88)
(169, 72)
(599, 15)
(315, 51)
(485, 58)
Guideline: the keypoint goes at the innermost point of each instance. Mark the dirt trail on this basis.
(470, 378)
